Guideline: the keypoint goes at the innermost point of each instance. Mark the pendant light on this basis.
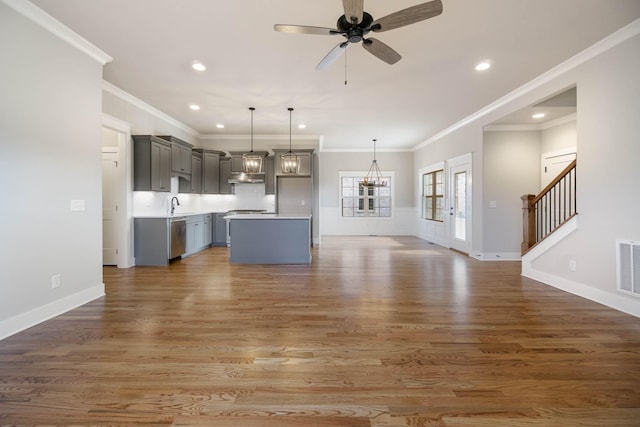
(374, 176)
(290, 162)
(251, 162)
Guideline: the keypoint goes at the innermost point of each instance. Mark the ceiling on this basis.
(154, 42)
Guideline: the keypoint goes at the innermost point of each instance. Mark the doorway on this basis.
(117, 230)
(460, 206)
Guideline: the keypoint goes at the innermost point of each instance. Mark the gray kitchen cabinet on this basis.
(151, 163)
(270, 176)
(151, 241)
(225, 173)
(236, 162)
(195, 184)
(198, 233)
(207, 230)
(210, 170)
(180, 156)
(219, 229)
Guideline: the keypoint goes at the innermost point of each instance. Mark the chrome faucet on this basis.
(173, 207)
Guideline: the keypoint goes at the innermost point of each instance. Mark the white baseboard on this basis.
(31, 318)
(496, 256)
(619, 302)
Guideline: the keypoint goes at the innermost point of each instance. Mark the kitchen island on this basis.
(269, 239)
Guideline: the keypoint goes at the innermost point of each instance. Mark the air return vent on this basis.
(628, 263)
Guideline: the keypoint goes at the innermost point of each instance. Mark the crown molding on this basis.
(55, 27)
(609, 42)
(127, 97)
(224, 137)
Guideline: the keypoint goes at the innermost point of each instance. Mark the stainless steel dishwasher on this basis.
(178, 236)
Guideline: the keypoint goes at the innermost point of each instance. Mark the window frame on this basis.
(371, 197)
(430, 197)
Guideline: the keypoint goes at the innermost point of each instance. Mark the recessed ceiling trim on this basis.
(55, 27)
(127, 97)
(609, 42)
(537, 127)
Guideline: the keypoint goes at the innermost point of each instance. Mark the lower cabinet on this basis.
(219, 229)
(199, 233)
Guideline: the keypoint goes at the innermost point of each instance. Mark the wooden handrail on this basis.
(539, 220)
(555, 181)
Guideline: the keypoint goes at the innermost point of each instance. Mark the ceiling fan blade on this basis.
(408, 16)
(381, 50)
(353, 9)
(333, 54)
(303, 29)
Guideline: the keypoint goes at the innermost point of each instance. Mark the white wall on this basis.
(511, 169)
(404, 211)
(50, 121)
(608, 173)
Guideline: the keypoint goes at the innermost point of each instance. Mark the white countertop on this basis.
(268, 216)
(175, 215)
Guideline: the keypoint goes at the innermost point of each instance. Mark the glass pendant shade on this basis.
(290, 162)
(251, 162)
(374, 176)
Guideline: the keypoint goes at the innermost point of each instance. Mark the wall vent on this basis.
(628, 266)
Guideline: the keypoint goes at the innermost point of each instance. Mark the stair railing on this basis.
(546, 212)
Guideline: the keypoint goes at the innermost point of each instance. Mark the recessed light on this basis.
(538, 116)
(194, 107)
(302, 126)
(220, 126)
(484, 65)
(198, 66)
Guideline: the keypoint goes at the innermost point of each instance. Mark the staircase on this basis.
(546, 212)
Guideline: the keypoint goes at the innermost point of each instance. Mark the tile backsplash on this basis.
(247, 196)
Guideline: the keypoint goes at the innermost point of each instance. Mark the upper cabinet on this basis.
(195, 184)
(270, 176)
(225, 173)
(210, 170)
(151, 163)
(180, 156)
(306, 161)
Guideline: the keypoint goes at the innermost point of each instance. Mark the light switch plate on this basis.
(77, 206)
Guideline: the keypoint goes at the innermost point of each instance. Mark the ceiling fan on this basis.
(355, 24)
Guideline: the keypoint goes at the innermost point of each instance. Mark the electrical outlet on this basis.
(55, 281)
(572, 265)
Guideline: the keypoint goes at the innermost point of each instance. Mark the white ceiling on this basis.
(435, 85)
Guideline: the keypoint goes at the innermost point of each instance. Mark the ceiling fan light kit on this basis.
(290, 163)
(251, 162)
(355, 24)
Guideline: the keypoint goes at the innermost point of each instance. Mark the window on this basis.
(433, 195)
(359, 201)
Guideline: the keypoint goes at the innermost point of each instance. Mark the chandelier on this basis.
(290, 162)
(374, 176)
(251, 162)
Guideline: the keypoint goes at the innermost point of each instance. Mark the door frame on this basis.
(455, 165)
(124, 195)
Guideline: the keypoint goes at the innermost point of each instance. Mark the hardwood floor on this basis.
(378, 331)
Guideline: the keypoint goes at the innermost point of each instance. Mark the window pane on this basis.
(385, 212)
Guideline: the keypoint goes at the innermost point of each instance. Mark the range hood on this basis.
(246, 178)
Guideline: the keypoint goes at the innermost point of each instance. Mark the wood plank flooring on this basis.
(378, 332)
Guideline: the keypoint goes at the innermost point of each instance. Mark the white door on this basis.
(460, 207)
(109, 207)
(552, 165)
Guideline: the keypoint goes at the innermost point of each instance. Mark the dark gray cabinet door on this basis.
(180, 158)
(225, 172)
(211, 173)
(270, 176)
(151, 164)
(219, 229)
(194, 185)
